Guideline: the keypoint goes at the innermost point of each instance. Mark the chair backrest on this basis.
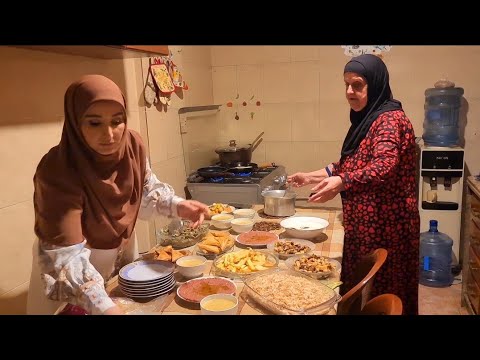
(354, 299)
(385, 304)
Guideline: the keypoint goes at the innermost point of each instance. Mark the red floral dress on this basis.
(380, 207)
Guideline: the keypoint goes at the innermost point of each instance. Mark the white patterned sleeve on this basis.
(69, 276)
(158, 198)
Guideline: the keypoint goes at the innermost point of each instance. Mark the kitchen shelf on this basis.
(103, 51)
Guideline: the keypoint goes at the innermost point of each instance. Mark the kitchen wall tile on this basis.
(224, 80)
(158, 135)
(28, 142)
(236, 55)
(249, 128)
(250, 83)
(174, 139)
(305, 86)
(278, 122)
(198, 54)
(334, 120)
(278, 82)
(306, 122)
(306, 154)
(199, 80)
(305, 53)
(17, 223)
(14, 302)
(277, 54)
(281, 153)
(172, 171)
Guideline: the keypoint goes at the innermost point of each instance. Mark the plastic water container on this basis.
(435, 257)
(442, 109)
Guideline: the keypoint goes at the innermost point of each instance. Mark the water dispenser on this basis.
(442, 109)
(441, 190)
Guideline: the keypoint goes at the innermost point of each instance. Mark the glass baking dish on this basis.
(286, 292)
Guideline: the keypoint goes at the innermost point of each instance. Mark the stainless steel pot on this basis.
(234, 153)
(279, 202)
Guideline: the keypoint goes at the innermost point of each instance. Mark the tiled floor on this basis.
(440, 301)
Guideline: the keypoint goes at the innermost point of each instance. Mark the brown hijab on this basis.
(80, 193)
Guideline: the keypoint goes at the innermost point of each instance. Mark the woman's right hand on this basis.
(298, 179)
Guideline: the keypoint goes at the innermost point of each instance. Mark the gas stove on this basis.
(239, 190)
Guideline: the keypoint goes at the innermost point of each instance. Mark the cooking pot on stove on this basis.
(235, 153)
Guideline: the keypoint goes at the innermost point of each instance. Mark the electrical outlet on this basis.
(183, 126)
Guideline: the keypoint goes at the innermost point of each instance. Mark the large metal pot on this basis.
(234, 153)
(279, 202)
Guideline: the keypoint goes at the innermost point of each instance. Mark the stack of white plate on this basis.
(147, 278)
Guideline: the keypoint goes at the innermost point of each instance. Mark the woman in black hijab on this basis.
(376, 178)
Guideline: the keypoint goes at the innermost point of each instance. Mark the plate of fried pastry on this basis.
(215, 243)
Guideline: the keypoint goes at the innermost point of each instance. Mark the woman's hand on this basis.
(192, 210)
(327, 189)
(298, 179)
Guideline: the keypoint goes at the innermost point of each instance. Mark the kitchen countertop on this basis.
(330, 245)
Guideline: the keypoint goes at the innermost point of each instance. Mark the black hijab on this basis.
(379, 95)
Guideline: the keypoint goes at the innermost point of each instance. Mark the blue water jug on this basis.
(435, 257)
(442, 109)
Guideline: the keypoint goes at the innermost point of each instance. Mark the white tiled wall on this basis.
(305, 114)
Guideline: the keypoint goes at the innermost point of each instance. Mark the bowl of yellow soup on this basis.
(241, 225)
(191, 266)
(222, 221)
(219, 304)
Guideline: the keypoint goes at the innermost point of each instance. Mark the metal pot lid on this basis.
(233, 147)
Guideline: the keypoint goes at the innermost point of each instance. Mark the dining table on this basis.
(328, 244)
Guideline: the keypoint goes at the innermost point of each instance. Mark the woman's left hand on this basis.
(327, 189)
(192, 210)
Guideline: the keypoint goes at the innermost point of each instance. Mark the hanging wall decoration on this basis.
(163, 79)
(244, 103)
(356, 50)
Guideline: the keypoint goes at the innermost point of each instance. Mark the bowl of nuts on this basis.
(313, 265)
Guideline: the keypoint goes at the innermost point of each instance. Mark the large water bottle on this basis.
(435, 257)
(442, 109)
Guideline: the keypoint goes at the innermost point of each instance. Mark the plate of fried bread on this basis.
(214, 243)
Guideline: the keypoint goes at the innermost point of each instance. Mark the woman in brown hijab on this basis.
(89, 191)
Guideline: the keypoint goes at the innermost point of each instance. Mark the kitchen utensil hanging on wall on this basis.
(162, 78)
(150, 91)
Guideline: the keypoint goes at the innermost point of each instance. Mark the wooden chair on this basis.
(355, 298)
(385, 304)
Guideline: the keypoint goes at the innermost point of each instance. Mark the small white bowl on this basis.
(244, 213)
(242, 225)
(222, 221)
(192, 265)
(219, 304)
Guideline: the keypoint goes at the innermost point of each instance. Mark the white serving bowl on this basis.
(244, 213)
(242, 225)
(222, 221)
(304, 227)
(192, 265)
(219, 304)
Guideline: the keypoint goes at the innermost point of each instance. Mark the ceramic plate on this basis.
(146, 270)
